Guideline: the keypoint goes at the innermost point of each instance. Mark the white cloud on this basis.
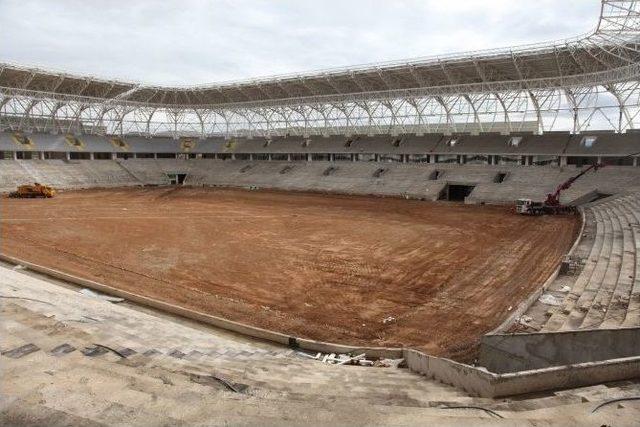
(203, 41)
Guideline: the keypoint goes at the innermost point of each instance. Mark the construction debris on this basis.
(388, 363)
(211, 380)
(111, 350)
(549, 300)
(351, 359)
(92, 294)
(389, 319)
(525, 320)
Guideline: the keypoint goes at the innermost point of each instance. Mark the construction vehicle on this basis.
(33, 191)
(552, 205)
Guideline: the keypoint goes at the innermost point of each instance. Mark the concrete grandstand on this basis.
(482, 128)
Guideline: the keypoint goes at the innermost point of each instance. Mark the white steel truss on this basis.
(589, 82)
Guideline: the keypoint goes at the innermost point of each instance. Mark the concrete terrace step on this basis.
(588, 294)
(413, 179)
(619, 301)
(632, 205)
(76, 174)
(632, 318)
(274, 376)
(605, 293)
(599, 305)
(83, 387)
(560, 314)
(145, 171)
(97, 322)
(140, 396)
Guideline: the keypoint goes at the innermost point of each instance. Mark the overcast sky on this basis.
(182, 42)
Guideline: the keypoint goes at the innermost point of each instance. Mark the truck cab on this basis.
(528, 207)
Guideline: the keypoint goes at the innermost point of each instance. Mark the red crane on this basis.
(552, 205)
(553, 199)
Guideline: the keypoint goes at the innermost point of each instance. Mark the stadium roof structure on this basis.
(585, 83)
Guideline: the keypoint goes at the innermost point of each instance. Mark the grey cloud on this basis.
(200, 41)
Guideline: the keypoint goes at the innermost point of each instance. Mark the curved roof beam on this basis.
(610, 54)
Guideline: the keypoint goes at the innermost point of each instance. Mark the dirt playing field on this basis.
(355, 270)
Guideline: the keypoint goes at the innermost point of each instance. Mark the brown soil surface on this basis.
(329, 268)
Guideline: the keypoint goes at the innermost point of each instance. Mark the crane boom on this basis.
(552, 204)
(553, 199)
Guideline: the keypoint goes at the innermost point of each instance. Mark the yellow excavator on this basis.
(32, 191)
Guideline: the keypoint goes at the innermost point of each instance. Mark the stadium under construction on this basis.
(342, 246)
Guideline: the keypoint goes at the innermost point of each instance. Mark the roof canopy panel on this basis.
(613, 46)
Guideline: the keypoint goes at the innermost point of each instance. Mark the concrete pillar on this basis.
(269, 157)
(635, 161)
(67, 155)
(233, 156)
(309, 157)
(563, 161)
(354, 157)
(15, 155)
(332, 157)
(155, 156)
(462, 159)
(251, 157)
(92, 156)
(114, 156)
(433, 159)
(600, 160)
(288, 157)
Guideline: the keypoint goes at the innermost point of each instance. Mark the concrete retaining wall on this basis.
(480, 382)
(472, 380)
(524, 352)
(563, 377)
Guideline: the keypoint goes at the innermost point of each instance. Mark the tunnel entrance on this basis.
(177, 178)
(456, 192)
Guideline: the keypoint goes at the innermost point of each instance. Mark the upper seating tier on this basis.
(549, 144)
